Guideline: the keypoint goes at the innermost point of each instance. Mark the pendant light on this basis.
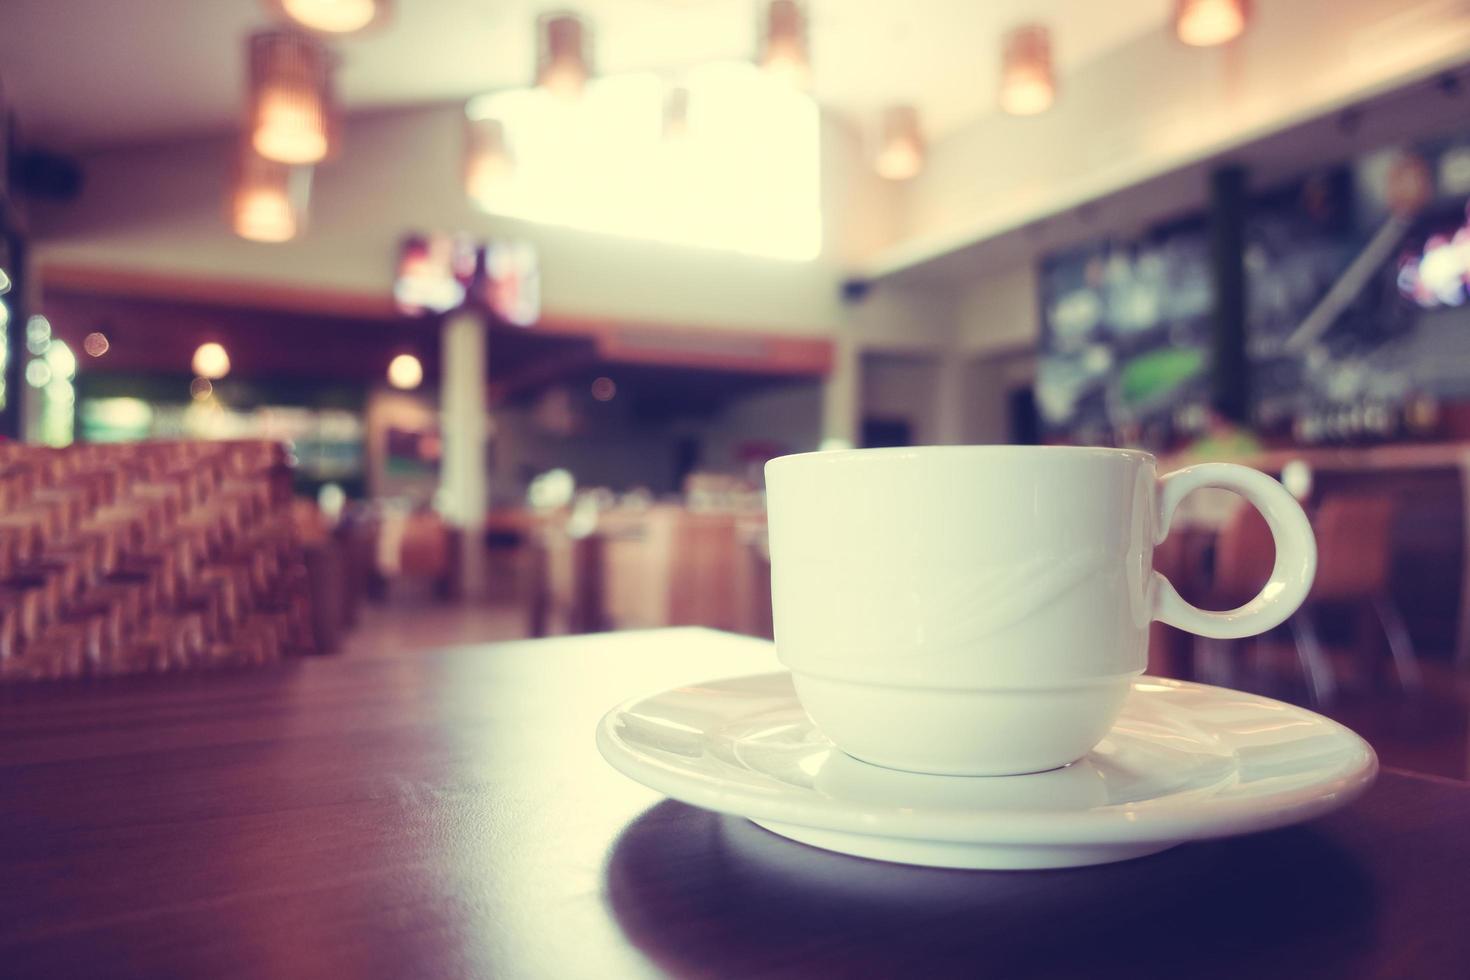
(562, 62)
(488, 165)
(333, 16)
(268, 199)
(1205, 23)
(289, 110)
(784, 43)
(1027, 86)
(901, 144)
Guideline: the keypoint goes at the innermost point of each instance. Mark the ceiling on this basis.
(1422, 110)
(88, 73)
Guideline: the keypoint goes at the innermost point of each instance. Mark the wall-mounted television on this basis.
(437, 273)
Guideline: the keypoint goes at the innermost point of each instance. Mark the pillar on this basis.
(841, 394)
(950, 401)
(1230, 363)
(464, 486)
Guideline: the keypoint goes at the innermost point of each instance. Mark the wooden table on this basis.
(446, 814)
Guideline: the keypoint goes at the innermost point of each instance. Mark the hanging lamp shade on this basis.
(1205, 23)
(268, 199)
(562, 62)
(784, 42)
(901, 144)
(1027, 85)
(333, 16)
(290, 107)
(488, 165)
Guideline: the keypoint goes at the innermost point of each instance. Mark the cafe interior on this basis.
(351, 330)
(477, 321)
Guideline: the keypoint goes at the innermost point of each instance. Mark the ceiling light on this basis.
(211, 361)
(406, 372)
(562, 64)
(333, 16)
(268, 199)
(784, 43)
(1027, 86)
(1205, 23)
(488, 166)
(901, 144)
(289, 110)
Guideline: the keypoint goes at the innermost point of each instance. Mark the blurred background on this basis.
(369, 326)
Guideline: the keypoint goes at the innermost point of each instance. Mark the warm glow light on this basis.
(200, 389)
(901, 146)
(95, 344)
(784, 49)
(288, 129)
(211, 361)
(406, 372)
(1205, 23)
(268, 203)
(744, 177)
(334, 16)
(290, 96)
(562, 64)
(1027, 86)
(487, 164)
(604, 389)
(264, 215)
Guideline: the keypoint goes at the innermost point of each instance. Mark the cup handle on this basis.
(1296, 552)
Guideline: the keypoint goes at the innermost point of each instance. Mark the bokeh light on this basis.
(211, 361)
(406, 372)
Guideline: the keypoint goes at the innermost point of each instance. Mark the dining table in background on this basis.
(445, 813)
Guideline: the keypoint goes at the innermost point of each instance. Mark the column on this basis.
(1230, 361)
(464, 487)
(950, 397)
(842, 393)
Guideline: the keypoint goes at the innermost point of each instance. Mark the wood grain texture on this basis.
(445, 814)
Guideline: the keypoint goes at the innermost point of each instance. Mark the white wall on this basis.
(999, 312)
(160, 209)
(789, 417)
(904, 386)
(1154, 105)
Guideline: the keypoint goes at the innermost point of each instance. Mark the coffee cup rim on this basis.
(915, 452)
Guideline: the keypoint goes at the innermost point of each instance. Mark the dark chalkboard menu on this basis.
(1358, 304)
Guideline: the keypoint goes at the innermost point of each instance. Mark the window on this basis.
(741, 175)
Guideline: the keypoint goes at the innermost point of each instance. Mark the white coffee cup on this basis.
(982, 610)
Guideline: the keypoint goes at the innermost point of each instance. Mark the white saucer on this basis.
(1184, 762)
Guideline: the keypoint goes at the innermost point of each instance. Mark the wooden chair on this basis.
(1354, 554)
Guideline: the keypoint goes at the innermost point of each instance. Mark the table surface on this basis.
(446, 814)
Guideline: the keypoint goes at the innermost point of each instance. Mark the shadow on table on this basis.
(710, 895)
